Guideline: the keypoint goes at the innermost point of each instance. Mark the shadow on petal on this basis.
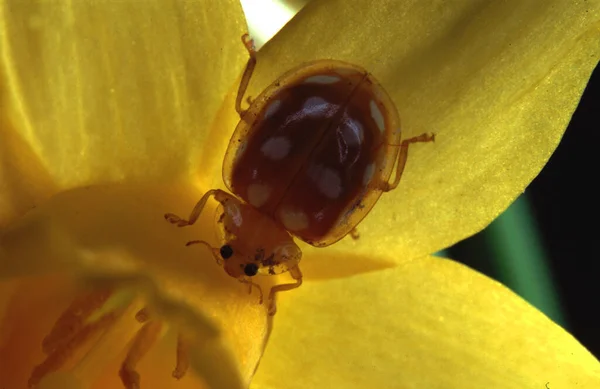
(323, 264)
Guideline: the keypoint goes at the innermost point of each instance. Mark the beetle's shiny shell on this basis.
(314, 148)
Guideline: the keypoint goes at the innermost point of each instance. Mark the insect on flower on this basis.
(309, 159)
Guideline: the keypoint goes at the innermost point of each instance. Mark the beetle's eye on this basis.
(226, 251)
(251, 269)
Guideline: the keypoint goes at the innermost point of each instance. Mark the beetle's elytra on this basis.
(309, 158)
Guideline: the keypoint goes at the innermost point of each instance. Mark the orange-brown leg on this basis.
(174, 219)
(297, 275)
(249, 44)
(354, 234)
(402, 157)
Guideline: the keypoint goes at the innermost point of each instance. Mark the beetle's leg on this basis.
(297, 275)
(251, 285)
(402, 156)
(354, 234)
(249, 44)
(174, 219)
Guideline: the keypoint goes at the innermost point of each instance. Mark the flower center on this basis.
(82, 324)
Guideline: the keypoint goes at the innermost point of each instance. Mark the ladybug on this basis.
(309, 158)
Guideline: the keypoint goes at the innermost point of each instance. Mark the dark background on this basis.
(564, 202)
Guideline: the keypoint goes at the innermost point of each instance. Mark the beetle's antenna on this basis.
(214, 251)
(191, 242)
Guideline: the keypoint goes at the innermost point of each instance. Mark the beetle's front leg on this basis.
(296, 275)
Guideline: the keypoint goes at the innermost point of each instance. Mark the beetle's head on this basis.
(240, 259)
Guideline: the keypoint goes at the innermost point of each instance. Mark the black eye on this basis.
(251, 269)
(226, 251)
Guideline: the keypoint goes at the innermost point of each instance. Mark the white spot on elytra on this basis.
(315, 106)
(328, 180)
(258, 194)
(369, 171)
(276, 148)
(377, 116)
(321, 79)
(293, 220)
(352, 130)
(272, 108)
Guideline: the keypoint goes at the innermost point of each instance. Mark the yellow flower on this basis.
(113, 113)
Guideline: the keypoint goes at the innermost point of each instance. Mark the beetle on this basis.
(310, 157)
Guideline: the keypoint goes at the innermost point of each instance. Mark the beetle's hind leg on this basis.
(402, 157)
(250, 65)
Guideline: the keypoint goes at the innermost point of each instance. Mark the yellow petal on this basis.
(118, 233)
(23, 179)
(496, 81)
(429, 323)
(102, 91)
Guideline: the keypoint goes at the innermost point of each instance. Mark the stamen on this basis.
(142, 315)
(142, 343)
(73, 319)
(183, 357)
(64, 349)
(89, 315)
